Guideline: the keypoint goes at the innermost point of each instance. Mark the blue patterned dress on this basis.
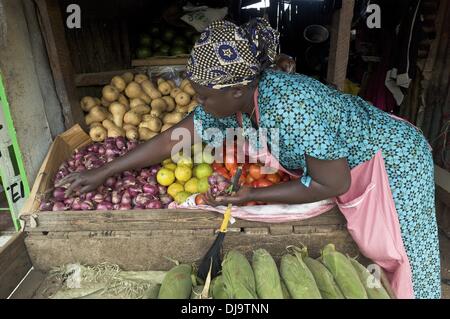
(326, 124)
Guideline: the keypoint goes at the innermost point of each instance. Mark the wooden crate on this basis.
(141, 239)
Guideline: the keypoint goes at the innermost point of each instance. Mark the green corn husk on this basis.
(324, 279)
(267, 278)
(197, 292)
(152, 292)
(177, 283)
(286, 294)
(387, 285)
(343, 272)
(297, 277)
(238, 277)
(217, 290)
(377, 292)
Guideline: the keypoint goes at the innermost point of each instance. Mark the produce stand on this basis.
(134, 239)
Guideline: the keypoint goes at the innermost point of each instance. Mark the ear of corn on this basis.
(343, 272)
(152, 292)
(196, 292)
(298, 278)
(267, 278)
(177, 284)
(286, 294)
(238, 277)
(217, 288)
(324, 279)
(376, 292)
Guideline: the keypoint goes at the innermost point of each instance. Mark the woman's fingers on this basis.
(67, 179)
(72, 187)
(85, 189)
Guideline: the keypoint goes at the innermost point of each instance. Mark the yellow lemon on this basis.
(183, 173)
(185, 161)
(181, 197)
(174, 189)
(171, 166)
(203, 185)
(203, 170)
(167, 161)
(165, 177)
(191, 185)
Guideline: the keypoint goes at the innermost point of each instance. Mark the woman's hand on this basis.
(242, 196)
(85, 181)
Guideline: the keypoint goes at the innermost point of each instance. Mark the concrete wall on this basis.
(29, 85)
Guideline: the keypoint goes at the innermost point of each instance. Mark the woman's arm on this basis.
(149, 153)
(329, 179)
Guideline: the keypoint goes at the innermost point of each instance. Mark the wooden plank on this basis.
(29, 286)
(340, 44)
(157, 61)
(161, 219)
(52, 26)
(144, 253)
(98, 78)
(14, 264)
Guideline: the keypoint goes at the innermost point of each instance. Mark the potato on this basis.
(110, 93)
(119, 83)
(132, 118)
(138, 78)
(144, 97)
(131, 132)
(182, 99)
(159, 104)
(145, 134)
(98, 133)
(104, 102)
(153, 124)
(155, 113)
(171, 83)
(124, 101)
(118, 111)
(173, 118)
(127, 77)
(183, 83)
(170, 103)
(133, 90)
(135, 102)
(113, 129)
(189, 89)
(181, 109)
(96, 114)
(142, 109)
(97, 101)
(87, 103)
(166, 127)
(150, 90)
(174, 92)
(164, 87)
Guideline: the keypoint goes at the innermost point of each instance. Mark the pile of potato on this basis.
(133, 107)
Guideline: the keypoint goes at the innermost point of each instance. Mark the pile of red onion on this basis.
(129, 190)
(218, 184)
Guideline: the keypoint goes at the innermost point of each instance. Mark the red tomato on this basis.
(262, 182)
(231, 167)
(285, 178)
(215, 166)
(255, 171)
(223, 171)
(200, 200)
(274, 178)
(249, 179)
(245, 168)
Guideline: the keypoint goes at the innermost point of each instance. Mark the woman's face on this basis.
(220, 103)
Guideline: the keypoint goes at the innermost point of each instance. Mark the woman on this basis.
(322, 131)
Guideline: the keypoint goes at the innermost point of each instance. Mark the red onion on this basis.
(87, 205)
(154, 169)
(152, 180)
(150, 189)
(165, 199)
(126, 198)
(116, 206)
(128, 174)
(125, 207)
(76, 205)
(98, 198)
(110, 152)
(108, 197)
(121, 142)
(129, 181)
(69, 201)
(102, 189)
(119, 184)
(105, 206)
(145, 173)
(220, 179)
(162, 189)
(142, 199)
(46, 206)
(59, 206)
(77, 157)
(59, 193)
(134, 190)
(71, 163)
(131, 145)
(110, 182)
(89, 195)
(154, 204)
(222, 186)
(80, 168)
(101, 150)
(116, 197)
(212, 180)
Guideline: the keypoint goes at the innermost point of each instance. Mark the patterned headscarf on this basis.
(227, 55)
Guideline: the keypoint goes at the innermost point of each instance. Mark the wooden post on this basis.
(340, 44)
(52, 26)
